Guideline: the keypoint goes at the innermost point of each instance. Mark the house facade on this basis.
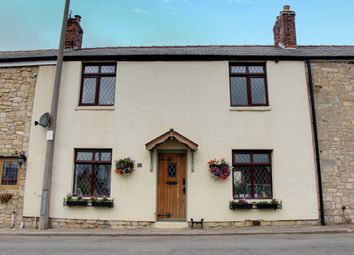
(175, 109)
(192, 98)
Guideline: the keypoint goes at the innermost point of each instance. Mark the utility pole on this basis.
(48, 166)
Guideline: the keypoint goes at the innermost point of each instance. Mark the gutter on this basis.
(28, 63)
(181, 57)
(317, 148)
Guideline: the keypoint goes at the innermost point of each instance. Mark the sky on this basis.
(36, 24)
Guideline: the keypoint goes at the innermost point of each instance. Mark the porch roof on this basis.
(171, 134)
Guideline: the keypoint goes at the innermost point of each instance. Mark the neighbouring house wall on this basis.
(37, 142)
(17, 86)
(334, 96)
(192, 97)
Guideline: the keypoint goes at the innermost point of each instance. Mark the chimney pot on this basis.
(286, 8)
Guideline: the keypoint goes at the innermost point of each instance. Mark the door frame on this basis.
(172, 151)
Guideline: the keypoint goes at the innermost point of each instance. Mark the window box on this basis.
(71, 200)
(274, 204)
(71, 203)
(267, 206)
(108, 203)
(237, 205)
(243, 204)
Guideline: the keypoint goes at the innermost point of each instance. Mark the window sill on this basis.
(95, 108)
(9, 187)
(250, 108)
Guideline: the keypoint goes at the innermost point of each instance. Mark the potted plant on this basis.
(273, 204)
(124, 166)
(219, 168)
(102, 202)
(71, 200)
(240, 204)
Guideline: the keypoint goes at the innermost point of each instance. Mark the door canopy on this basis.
(171, 134)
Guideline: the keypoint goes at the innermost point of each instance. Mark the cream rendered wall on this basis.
(193, 98)
(37, 142)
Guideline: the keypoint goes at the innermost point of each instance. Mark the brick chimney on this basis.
(284, 29)
(74, 32)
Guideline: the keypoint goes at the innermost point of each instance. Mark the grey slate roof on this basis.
(325, 51)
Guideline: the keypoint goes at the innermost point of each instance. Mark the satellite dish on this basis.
(43, 120)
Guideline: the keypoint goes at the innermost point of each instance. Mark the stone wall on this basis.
(57, 223)
(334, 96)
(17, 86)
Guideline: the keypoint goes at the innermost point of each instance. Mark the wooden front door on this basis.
(171, 187)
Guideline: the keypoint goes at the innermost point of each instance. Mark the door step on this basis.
(171, 224)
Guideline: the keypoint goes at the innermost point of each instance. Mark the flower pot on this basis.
(108, 204)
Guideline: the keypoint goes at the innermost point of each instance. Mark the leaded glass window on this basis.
(8, 172)
(248, 85)
(98, 84)
(92, 174)
(172, 170)
(252, 174)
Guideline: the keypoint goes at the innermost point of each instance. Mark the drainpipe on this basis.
(48, 165)
(317, 148)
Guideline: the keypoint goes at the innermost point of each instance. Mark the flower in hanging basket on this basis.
(124, 166)
(219, 168)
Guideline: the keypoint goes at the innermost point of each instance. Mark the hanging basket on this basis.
(5, 197)
(219, 168)
(124, 166)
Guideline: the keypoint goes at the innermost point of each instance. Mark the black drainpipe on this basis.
(317, 148)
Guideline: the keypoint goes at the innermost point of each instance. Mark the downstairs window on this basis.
(252, 174)
(92, 174)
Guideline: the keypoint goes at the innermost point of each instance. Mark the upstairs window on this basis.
(252, 174)
(92, 173)
(248, 86)
(8, 173)
(98, 84)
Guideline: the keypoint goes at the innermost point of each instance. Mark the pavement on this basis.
(151, 232)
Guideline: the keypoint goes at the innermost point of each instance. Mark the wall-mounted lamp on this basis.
(21, 159)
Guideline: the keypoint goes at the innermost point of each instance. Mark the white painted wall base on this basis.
(170, 224)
